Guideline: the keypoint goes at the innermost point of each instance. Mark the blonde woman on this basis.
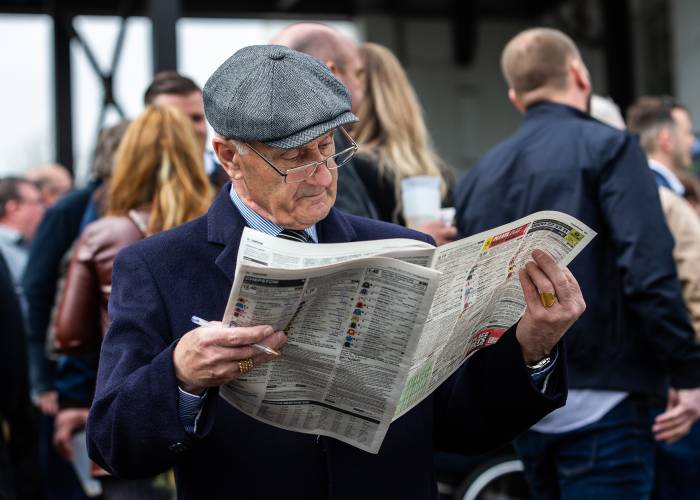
(158, 183)
(394, 141)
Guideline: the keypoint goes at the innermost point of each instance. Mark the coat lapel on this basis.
(335, 228)
(224, 227)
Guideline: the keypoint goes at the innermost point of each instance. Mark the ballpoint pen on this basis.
(203, 322)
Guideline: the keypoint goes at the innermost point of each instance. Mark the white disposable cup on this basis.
(420, 199)
(447, 215)
(81, 464)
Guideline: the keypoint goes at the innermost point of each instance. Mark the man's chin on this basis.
(315, 213)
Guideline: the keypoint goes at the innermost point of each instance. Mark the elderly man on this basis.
(635, 337)
(275, 111)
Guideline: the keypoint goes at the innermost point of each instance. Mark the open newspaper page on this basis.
(269, 251)
(353, 328)
(479, 295)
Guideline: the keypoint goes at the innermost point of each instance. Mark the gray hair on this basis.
(241, 147)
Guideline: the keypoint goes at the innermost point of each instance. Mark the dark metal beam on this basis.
(63, 118)
(314, 9)
(464, 20)
(164, 15)
(618, 49)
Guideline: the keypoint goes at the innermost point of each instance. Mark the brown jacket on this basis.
(82, 310)
(684, 224)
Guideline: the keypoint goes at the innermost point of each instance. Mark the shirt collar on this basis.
(11, 235)
(668, 175)
(260, 223)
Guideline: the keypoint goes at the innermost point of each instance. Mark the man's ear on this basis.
(333, 67)
(664, 140)
(228, 157)
(579, 75)
(516, 101)
(11, 207)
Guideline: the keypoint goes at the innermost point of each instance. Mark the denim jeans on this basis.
(612, 458)
(678, 467)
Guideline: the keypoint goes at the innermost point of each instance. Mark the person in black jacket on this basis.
(635, 339)
(395, 143)
(19, 467)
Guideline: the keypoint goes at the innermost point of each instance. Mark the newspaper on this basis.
(374, 327)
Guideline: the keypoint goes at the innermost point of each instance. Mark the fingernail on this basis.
(537, 253)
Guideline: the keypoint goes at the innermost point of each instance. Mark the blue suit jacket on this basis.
(635, 334)
(134, 429)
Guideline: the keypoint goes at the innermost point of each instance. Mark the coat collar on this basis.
(549, 108)
(225, 226)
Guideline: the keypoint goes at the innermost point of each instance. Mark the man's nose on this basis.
(322, 176)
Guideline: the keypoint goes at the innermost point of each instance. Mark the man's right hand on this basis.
(209, 356)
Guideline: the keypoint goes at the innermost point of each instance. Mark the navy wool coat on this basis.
(134, 429)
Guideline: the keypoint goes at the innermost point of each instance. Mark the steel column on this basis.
(63, 118)
(164, 15)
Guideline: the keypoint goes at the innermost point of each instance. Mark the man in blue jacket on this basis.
(275, 112)
(635, 337)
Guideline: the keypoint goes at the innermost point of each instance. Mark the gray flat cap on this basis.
(275, 95)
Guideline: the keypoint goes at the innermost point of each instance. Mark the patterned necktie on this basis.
(294, 235)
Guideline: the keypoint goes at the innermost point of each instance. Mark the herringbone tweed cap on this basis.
(275, 95)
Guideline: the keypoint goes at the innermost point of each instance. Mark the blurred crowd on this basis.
(633, 369)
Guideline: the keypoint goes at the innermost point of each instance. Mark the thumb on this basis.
(672, 398)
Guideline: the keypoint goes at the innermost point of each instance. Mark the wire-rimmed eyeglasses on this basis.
(303, 172)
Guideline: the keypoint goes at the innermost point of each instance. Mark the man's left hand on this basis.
(682, 411)
(542, 327)
(440, 232)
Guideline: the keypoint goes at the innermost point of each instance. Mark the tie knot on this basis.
(294, 235)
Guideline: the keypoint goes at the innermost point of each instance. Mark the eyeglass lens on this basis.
(302, 173)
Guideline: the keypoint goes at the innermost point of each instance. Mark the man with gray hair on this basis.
(635, 337)
(275, 112)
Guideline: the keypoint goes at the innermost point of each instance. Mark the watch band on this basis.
(540, 364)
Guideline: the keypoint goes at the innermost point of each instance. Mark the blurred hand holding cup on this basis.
(420, 199)
(447, 215)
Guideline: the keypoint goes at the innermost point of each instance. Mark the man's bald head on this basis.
(318, 40)
(337, 51)
(538, 61)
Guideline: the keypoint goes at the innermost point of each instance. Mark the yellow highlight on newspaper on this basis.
(573, 237)
(487, 243)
